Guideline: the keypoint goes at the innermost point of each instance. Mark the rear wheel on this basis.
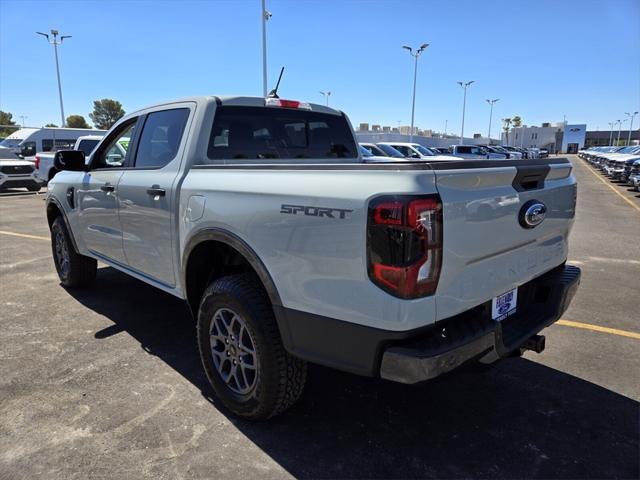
(74, 270)
(241, 350)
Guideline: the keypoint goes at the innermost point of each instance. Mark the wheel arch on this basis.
(212, 253)
(55, 210)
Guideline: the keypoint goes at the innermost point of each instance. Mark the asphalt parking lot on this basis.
(107, 383)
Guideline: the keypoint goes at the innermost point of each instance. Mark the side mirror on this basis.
(72, 160)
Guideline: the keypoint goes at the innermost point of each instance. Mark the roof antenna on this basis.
(274, 93)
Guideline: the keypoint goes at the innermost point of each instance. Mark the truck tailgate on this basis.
(487, 251)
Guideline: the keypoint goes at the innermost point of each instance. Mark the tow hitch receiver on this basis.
(535, 343)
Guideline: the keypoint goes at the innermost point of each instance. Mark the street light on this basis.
(415, 54)
(55, 43)
(265, 16)
(630, 126)
(611, 124)
(491, 102)
(22, 117)
(619, 122)
(464, 86)
(326, 96)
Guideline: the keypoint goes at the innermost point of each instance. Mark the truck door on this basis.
(146, 193)
(97, 196)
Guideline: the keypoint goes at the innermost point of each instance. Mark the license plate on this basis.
(504, 305)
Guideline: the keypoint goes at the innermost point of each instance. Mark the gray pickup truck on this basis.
(288, 248)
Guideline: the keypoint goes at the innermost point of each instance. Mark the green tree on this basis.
(506, 124)
(105, 113)
(77, 121)
(6, 119)
(51, 125)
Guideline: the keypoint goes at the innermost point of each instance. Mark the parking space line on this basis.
(598, 328)
(23, 235)
(612, 188)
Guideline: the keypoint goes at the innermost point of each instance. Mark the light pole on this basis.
(491, 102)
(464, 86)
(326, 96)
(445, 127)
(620, 122)
(265, 16)
(22, 117)
(55, 43)
(611, 124)
(415, 54)
(631, 115)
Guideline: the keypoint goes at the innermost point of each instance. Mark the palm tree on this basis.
(506, 124)
(517, 123)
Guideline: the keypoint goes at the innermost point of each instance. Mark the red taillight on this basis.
(279, 102)
(36, 164)
(404, 244)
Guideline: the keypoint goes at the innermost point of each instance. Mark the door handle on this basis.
(156, 191)
(107, 187)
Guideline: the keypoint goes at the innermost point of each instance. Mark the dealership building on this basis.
(555, 137)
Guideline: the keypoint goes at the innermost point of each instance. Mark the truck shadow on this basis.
(514, 420)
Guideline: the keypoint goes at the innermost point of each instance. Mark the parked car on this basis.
(287, 248)
(628, 169)
(634, 176)
(512, 151)
(417, 151)
(382, 150)
(18, 173)
(442, 150)
(44, 161)
(369, 157)
(475, 152)
(544, 153)
(502, 151)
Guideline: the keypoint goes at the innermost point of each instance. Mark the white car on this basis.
(475, 152)
(417, 151)
(18, 174)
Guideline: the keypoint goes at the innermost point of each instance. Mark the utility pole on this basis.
(55, 43)
(415, 54)
(491, 102)
(631, 115)
(265, 16)
(464, 86)
(445, 127)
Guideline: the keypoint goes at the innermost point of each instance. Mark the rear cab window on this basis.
(264, 133)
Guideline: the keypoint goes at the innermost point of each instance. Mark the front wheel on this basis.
(74, 270)
(241, 350)
(34, 188)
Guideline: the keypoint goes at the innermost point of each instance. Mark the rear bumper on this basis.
(474, 335)
(415, 355)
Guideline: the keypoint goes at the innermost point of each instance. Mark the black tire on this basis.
(280, 377)
(80, 270)
(34, 188)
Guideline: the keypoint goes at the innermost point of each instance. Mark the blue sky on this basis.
(543, 59)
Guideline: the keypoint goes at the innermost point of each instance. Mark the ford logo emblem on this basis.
(532, 214)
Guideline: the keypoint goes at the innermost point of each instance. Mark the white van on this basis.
(10, 146)
(52, 139)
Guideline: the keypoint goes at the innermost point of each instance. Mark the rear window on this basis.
(262, 133)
